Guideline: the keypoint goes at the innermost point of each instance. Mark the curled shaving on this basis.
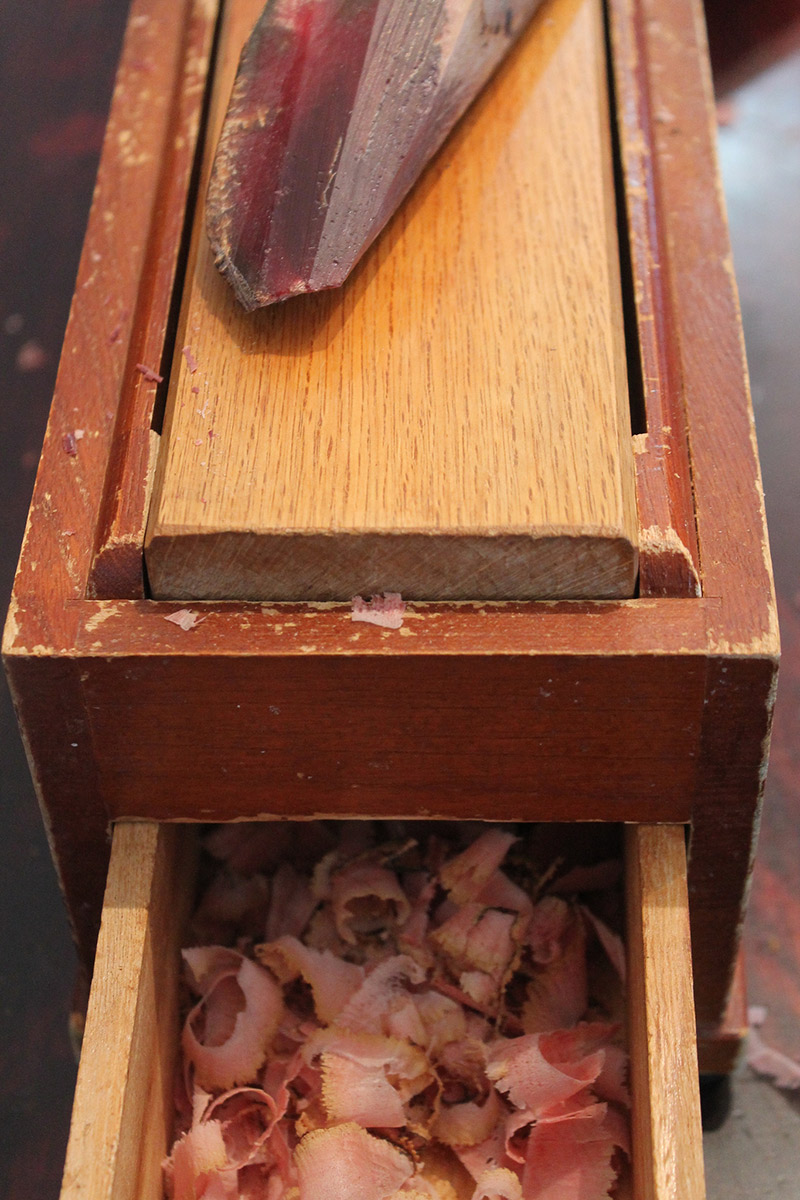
(236, 1042)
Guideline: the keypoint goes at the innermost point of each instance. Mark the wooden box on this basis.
(652, 709)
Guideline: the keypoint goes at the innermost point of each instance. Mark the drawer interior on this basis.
(123, 1111)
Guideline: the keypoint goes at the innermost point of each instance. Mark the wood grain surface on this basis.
(124, 1108)
(453, 422)
(667, 1142)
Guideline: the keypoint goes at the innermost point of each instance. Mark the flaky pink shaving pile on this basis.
(418, 1024)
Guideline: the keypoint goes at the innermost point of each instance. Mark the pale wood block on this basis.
(667, 1141)
(123, 1112)
(453, 422)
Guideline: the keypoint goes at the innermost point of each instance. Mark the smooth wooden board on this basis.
(667, 1137)
(123, 1111)
(453, 422)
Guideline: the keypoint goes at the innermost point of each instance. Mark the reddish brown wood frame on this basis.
(654, 709)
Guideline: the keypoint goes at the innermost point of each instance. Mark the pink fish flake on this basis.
(385, 610)
(150, 375)
(185, 619)
(191, 361)
(70, 445)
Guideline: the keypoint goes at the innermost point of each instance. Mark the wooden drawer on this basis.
(123, 1102)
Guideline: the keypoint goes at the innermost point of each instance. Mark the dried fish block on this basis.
(337, 107)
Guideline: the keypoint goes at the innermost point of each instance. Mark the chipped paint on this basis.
(102, 614)
(664, 543)
(325, 606)
(764, 645)
(12, 630)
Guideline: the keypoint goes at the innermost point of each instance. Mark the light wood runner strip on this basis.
(667, 1137)
(453, 422)
(123, 1108)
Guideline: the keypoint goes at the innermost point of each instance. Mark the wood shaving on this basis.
(331, 1060)
(385, 610)
(185, 618)
(150, 375)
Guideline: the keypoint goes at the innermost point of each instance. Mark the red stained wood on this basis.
(725, 826)
(495, 737)
(100, 347)
(668, 551)
(734, 554)
(603, 629)
(719, 1046)
(57, 736)
(181, 80)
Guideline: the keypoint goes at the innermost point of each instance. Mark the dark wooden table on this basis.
(57, 61)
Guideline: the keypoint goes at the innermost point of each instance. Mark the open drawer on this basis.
(123, 1103)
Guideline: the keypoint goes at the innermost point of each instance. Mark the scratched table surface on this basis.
(57, 61)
